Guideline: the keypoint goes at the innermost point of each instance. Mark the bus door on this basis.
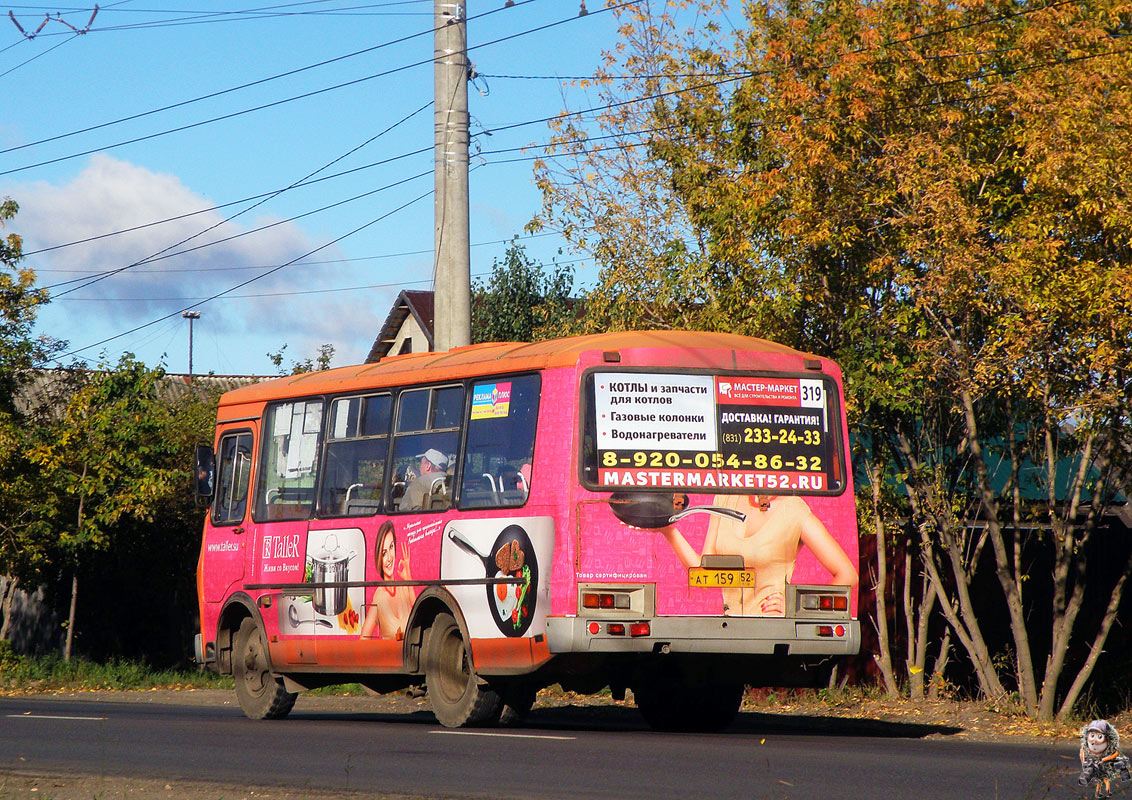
(226, 535)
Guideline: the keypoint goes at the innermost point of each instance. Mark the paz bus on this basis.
(669, 513)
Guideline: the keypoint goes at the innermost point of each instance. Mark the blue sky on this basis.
(140, 56)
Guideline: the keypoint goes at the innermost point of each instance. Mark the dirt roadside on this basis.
(787, 714)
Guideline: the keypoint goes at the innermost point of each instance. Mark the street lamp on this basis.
(190, 316)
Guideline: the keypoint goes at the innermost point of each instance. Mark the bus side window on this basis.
(499, 454)
(353, 471)
(425, 441)
(233, 476)
(291, 435)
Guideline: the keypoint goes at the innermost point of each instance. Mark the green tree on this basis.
(107, 461)
(316, 364)
(521, 301)
(24, 537)
(936, 196)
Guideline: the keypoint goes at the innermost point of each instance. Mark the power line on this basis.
(306, 95)
(229, 90)
(241, 285)
(160, 253)
(293, 293)
(562, 143)
(378, 257)
(238, 15)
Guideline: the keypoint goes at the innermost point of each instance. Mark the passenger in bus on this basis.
(769, 539)
(389, 606)
(432, 469)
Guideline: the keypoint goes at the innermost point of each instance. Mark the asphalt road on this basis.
(561, 753)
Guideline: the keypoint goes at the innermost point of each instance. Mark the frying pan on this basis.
(502, 610)
(468, 547)
(659, 509)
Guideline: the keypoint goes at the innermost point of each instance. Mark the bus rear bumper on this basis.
(704, 635)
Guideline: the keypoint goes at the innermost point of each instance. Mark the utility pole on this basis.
(452, 320)
(190, 316)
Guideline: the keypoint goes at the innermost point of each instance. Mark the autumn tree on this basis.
(936, 196)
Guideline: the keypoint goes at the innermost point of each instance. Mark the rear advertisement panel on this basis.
(708, 432)
(741, 473)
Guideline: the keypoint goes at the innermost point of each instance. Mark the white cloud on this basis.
(112, 195)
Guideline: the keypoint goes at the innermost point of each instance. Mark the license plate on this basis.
(726, 578)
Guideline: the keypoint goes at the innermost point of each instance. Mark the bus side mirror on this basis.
(204, 468)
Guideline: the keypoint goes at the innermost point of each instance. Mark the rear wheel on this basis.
(458, 696)
(260, 692)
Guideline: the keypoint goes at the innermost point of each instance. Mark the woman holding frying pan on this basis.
(389, 607)
(768, 539)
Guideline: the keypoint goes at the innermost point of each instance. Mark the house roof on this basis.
(43, 389)
(420, 305)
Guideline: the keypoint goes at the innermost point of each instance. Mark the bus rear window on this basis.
(777, 434)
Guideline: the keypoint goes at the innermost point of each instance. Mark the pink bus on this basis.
(665, 512)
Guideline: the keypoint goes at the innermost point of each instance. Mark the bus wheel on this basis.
(680, 706)
(459, 697)
(260, 693)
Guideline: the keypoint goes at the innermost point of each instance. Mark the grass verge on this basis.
(50, 673)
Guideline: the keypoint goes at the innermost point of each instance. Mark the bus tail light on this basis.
(620, 628)
(836, 602)
(830, 631)
(606, 600)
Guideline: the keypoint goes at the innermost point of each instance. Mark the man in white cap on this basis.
(432, 468)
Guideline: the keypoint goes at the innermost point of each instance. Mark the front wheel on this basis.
(260, 692)
(459, 697)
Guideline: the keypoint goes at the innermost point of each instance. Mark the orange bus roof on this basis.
(491, 358)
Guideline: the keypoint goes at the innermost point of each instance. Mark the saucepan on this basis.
(330, 565)
(660, 509)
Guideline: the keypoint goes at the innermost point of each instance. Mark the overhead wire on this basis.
(292, 293)
(229, 90)
(161, 253)
(502, 128)
(242, 284)
(378, 257)
(305, 95)
(619, 147)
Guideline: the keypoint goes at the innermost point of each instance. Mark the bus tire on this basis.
(260, 692)
(679, 706)
(459, 697)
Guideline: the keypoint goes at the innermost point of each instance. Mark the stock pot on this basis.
(330, 565)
